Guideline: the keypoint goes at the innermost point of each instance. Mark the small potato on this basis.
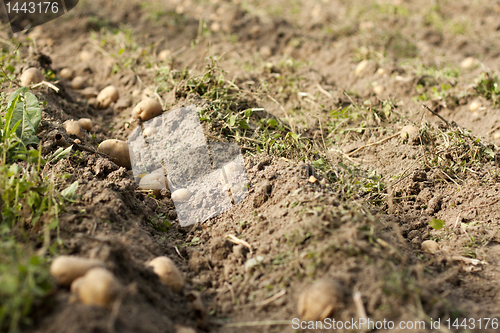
(430, 246)
(467, 63)
(86, 123)
(66, 73)
(117, 150)
(496, 135)
(98, 287)
(231, 171)
(165, 268)
(474, 106)
(78, 82)
(107, 96)
(408, 130)
(147, 93)
(320, 300)
(153, 181)
(77, 141)
(92, 102)
(147, 109)
(380, 71)
(89, 92)
(31, 76)
(163, 55)
(65, 269)
(148, 131)
(181, 195)
(85, 55)
(184, 329)
(361, 67)
(378, 89)
(73, 127)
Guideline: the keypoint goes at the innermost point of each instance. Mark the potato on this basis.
(165, 268)
(147, 93)
(496, 135)
(181, 195)
(107, 96)
(320, 300)
(153, 181)
(380, 71)
(65, 269)
(378, 89)
(92, 102)
(85, 55)
(184, 329)
(163, 55)
(73, 127)
(89, 92)
(474, 106)
(31, 76)
(77, 141)
(231, 171)
(97, 287)
(78, 82)
(467, 63)
(430, 246)
(86, 123)
(147, 109)
(117, 150)
(361, 67)
(148, 131)
(66, 73)
(407, 130)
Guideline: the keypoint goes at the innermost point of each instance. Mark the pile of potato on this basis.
(92, 283)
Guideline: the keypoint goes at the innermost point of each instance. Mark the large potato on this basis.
(98, 287)
(147, 109)
(117, 150)
(107, 96)
(168, 273)
(31, 76)
(65, 269)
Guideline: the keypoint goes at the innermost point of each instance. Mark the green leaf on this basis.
(437, 224)
(70, 191)
(272, 122)
(243, 124)
(232, 121)
(28, 112)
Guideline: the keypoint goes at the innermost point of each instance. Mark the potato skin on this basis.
(147, 109)
(107, 96)
(98, 287)
(86, 123)
(31, 76)
(181, 195)
(65, 269)
(320, 300)
(73, 127)
(165, 268)
(66, 73)
(117, 150)
(430, 246)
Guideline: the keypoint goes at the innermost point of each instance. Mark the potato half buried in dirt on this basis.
(117, 150)
(31, 76)
(320, 300)
(73, 127)
(78, 82)
(153, 181)
(107, 96)
(168, 273)
(86, 123)
(181, 195)
(147, 109)
(65, 269)
(66, 73)
(97, 287)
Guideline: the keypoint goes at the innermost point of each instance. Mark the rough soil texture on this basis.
(297, 60)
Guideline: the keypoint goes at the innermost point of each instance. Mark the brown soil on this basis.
(298, 231)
